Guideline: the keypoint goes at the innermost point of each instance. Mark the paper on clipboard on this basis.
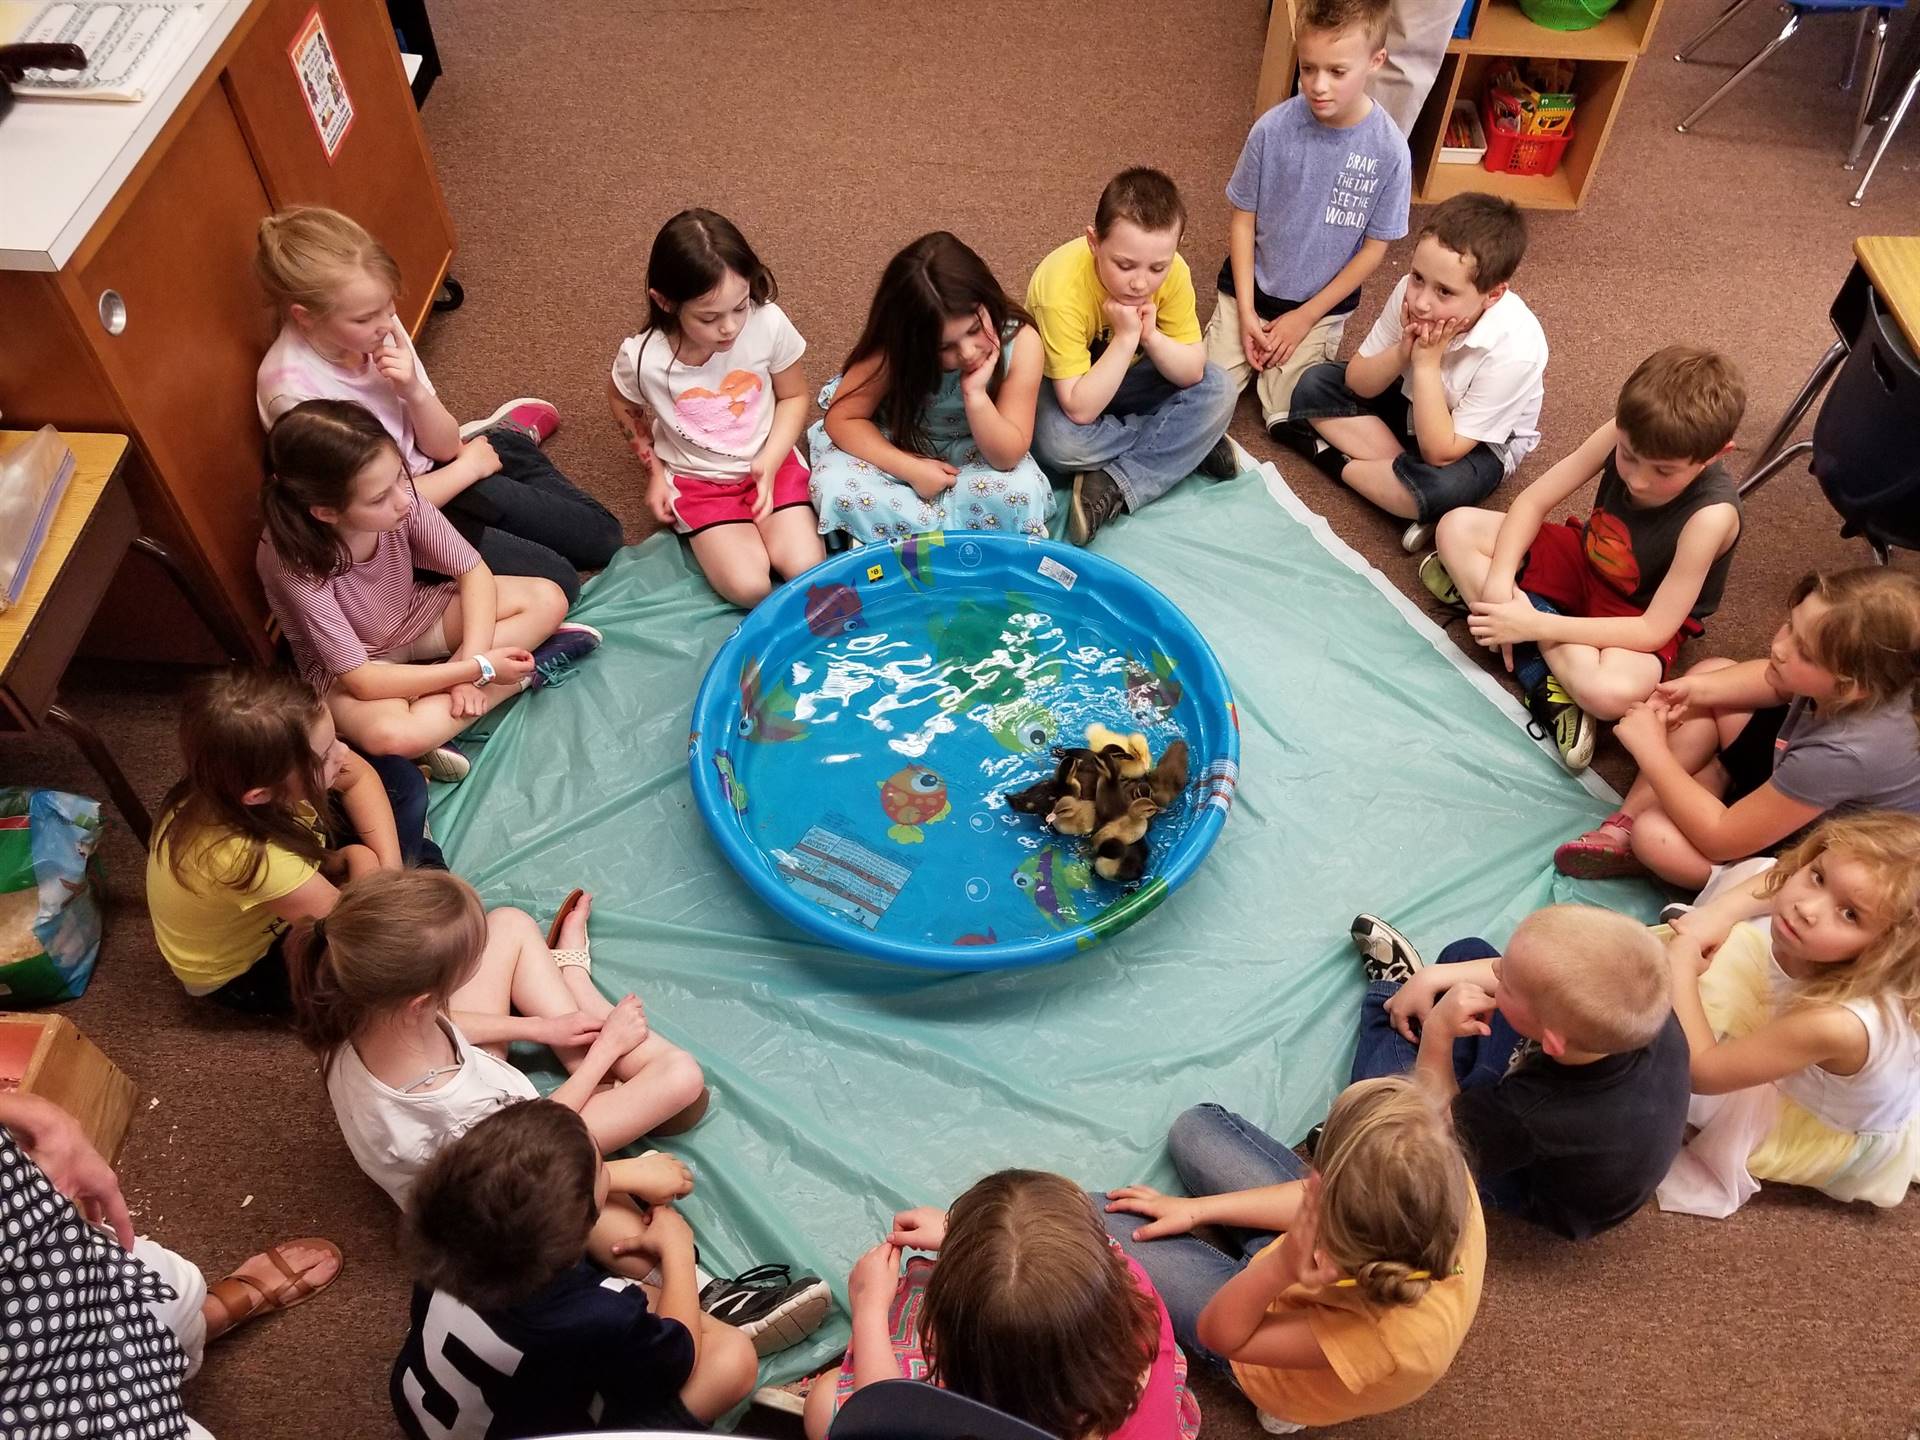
(132, 46)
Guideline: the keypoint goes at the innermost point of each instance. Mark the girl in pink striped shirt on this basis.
(405, 664)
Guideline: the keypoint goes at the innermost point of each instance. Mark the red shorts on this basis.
(1556, 570)
(702, 504)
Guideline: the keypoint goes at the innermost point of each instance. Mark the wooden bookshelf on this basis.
(1605, 56)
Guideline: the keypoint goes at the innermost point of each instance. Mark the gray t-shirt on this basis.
(1869, 760)
(1317, 193)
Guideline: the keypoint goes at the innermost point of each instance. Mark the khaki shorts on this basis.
(1274, 386)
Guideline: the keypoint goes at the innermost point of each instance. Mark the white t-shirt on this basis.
(394, 1133)
(1493, 376)
(710, 420)
(293, 371)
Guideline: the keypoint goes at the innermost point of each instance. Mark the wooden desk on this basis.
(1884, 265)
(89, 536)
(129, 306)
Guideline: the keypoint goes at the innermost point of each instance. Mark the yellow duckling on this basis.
(1135, 758)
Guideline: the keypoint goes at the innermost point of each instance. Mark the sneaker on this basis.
(1572, 729)
(446, 764)
(1440, 584)
(768, 1306)
(553, 658)
(1416, 537)
(1385, 954)
(1297, 434)
(535, 419)
(1096, 500)
(791, 1398)
(1222, 462)
(1274, 1425)
(1673, 911)
(1328, 461)
(1603, 853)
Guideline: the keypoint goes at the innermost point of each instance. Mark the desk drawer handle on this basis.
(113, 312)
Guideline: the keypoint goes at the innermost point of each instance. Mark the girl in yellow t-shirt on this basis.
(1352, 1285)
(241, 849)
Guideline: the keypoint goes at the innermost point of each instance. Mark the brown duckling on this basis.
(1168, 778)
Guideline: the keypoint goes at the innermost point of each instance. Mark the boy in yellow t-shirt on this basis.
(1360, 1302)
(1131, 406)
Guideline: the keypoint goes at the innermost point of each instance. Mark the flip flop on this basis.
(242, 1298)
(580, 957)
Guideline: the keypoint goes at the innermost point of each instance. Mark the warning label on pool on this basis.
(832, 869)
(1055, 571)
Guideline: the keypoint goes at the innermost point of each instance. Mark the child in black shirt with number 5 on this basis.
(546, 1341)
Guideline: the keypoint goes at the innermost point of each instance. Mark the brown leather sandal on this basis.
(581, 957)
(242, 1298)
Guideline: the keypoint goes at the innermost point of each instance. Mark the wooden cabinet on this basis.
(154, 326)
(1604, 58)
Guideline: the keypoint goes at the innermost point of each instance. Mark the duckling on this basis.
(1130, 825)
(1073, 816)
(1168, 778)
(1120, 862)
(1078, 775)
(1134, 760)
(1036, 799)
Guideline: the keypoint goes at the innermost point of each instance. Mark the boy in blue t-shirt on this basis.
(515, 1332)
(1321, 187)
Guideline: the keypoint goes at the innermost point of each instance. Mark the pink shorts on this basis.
(702, 504)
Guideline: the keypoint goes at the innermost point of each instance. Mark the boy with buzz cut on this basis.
(1131, 407)
(1320, 189)
(1590, 614)
(1565, 1067)
(1442, 401)
(515, 1332)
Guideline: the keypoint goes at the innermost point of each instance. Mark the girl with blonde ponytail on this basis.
(1350, 1286)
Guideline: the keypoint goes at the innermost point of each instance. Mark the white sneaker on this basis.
(446, 764)
(1416, 537)
(1274, 1425)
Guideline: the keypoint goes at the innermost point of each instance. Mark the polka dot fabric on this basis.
(81, 1351)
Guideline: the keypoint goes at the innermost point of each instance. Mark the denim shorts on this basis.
(1322, 394)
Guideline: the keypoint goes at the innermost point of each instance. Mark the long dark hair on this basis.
(241, 730)
(934, 280)
(1032, 1311)
(314, 451)
(692, 253)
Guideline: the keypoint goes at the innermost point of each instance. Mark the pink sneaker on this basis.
(536, 419)
(1603, 853)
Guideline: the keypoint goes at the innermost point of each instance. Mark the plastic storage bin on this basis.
(1522, 154)
(1466, 140)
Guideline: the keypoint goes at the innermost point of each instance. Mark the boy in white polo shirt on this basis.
(1469, 357)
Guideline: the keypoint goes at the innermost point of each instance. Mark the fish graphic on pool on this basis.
(833, 609)
(913, 797)
(767, 719)
(1050, 879)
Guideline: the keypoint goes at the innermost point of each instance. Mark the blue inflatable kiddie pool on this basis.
(854, 740)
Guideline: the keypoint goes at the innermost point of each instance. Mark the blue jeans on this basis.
(1214, 1151)
(529, 519)
(1477, 1059)
(1152, 435)
(406, 791)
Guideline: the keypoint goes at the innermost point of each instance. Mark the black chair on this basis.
(914, 1410)
(1866, 443)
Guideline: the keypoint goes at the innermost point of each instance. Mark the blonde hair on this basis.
(1682, 403)
(391, 936)
(1599, 978)
(1887, 843)
(1395, 1195)
(1869, 639)
(306, 253)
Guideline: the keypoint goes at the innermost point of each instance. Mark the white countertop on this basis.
(62, 161)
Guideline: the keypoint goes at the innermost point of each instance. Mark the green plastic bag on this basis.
(49, 919)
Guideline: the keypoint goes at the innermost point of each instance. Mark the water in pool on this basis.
(872, 760)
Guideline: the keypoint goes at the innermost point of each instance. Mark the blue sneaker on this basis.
(553, 659)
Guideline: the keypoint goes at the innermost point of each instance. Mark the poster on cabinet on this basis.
(319, 75)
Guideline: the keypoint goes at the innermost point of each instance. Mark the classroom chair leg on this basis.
(1685, 52)
(1787, 32)
(88, 742)
(1886, 138)
(1802, 402)
(1875, 34)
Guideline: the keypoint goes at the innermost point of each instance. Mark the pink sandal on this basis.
(1603, 853)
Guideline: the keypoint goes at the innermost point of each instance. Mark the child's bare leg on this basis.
(725, 1370)
(525, 612)
(1359, 437)
(619, 1220)
(820, 1411)
(734, 560)
(792, 540)
(1659, 845)
(396, 727)
(489, 990)
(1465, 539)
(1604, 683)
(1376, 481)
(1694, 744)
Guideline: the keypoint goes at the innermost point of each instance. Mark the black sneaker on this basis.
(1385, 954)
(1297, 434)
(768, 1306)
(1571, 728)
(1328, 461)
(1222, 462)
(1096, 500)
(553, 658)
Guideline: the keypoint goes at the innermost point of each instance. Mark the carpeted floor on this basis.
(833, 133)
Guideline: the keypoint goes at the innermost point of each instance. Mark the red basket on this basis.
(1521, 154)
